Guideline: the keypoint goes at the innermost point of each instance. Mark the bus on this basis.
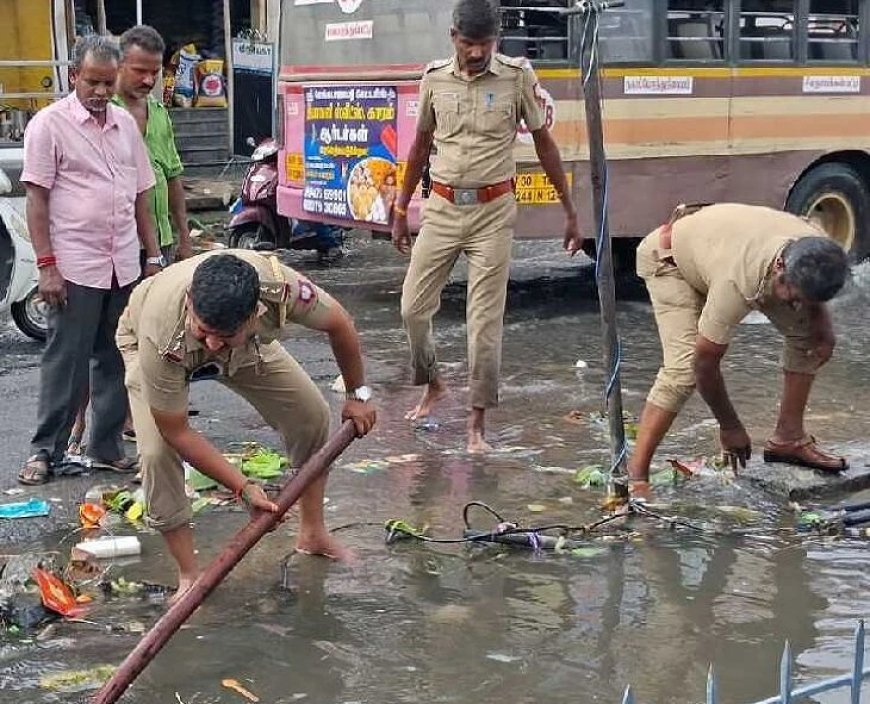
(756, 101)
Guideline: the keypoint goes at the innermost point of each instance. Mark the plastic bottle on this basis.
(112, 546)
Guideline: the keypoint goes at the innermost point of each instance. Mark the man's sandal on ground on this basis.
(36, 471)
(804, 453)
(125, 465)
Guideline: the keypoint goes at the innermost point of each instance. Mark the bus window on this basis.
(378, 33)
(767, 30)
(832, 31)
(535, 29)
(696, 30)
(626, 33)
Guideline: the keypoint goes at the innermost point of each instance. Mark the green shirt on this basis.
(160, 142)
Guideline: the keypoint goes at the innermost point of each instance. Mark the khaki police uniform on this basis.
(718, 269)
(474, 121)
(162, 358)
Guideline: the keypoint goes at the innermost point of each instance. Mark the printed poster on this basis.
(351, 145)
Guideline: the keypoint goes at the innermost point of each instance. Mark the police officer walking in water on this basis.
(470, 108)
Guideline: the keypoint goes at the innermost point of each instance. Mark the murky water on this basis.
(444, 623)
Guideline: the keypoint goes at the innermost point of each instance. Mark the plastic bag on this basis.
(211, 92)
(185, 76)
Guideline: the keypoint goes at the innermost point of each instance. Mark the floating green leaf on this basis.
(590, 476)
(77, 679)
(587, 552)
(197, 481)
(264, 464)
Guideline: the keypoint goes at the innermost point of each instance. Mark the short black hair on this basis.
(476, 19)
(224, 292)
(102, 49)
(145, 37)
(817, 266)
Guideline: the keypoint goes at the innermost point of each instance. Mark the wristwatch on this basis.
(157, 261)
(363, 393)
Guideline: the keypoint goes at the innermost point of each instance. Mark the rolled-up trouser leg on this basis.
(435, 251)
(677, 307)
(166, 502)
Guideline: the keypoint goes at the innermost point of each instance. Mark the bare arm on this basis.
(145, 224)
(37, 219)
(711, 384)
(551, 160)
(345, 343)
(52, 286)
(178, 210)
(418, 157)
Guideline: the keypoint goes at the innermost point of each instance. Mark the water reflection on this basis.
(444, 623)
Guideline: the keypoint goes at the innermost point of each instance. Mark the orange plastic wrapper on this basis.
(91, 515)
(56, 596)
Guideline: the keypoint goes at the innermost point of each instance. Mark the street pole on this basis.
(588, 12)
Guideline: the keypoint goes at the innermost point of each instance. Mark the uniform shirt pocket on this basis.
(446, 106)
(499, 118)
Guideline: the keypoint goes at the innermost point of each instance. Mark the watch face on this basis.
(363, 393)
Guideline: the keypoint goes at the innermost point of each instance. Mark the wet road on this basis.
(443, 623)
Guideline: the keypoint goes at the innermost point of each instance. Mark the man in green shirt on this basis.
(141, 62)
(142, 50)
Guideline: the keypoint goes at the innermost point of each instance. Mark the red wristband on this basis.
(44, 262)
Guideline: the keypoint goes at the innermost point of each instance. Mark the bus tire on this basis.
(837, 197)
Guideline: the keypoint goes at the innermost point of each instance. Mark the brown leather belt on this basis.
(473, 196)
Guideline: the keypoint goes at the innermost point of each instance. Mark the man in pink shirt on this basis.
(87, 175)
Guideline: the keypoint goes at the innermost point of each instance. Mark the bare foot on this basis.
(325, 545)
(432, 394)
(185, 582)
(477, 445)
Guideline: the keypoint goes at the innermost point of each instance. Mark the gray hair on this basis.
(476, 19)
(817, 266)
(145, 37)
(102, 49)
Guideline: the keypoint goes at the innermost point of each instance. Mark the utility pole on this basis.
(587, 13)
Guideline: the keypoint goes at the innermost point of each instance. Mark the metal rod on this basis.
(153, 641)
(604, 254)
(231, 85)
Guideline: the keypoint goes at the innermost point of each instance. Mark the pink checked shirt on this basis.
(93, 174)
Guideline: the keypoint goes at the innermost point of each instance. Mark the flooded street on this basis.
(448, 623)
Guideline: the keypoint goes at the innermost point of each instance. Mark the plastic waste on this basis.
(25, 509)
(112, 546)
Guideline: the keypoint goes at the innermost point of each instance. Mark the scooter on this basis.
(19, 293)
(256, 223)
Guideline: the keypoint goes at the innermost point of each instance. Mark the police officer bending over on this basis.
(470, 108)
(219, 315)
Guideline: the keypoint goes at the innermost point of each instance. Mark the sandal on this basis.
(125, 465)
(36, 471)
(804, 453)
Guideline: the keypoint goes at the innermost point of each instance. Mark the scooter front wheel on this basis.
(31, 316)
(249, 235)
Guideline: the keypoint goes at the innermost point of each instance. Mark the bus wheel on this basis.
(835, 196)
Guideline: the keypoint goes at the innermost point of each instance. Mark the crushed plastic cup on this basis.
(110, 547)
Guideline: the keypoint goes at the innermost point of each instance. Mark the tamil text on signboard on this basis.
(350, 152)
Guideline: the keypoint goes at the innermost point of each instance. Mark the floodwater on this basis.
(443, 623)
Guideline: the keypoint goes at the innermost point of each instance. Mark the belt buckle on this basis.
(465, 196)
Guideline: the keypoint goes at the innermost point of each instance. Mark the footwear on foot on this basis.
(37, 470)
(804, 453)
(125, 465)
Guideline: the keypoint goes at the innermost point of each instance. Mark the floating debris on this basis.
(77, 680)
